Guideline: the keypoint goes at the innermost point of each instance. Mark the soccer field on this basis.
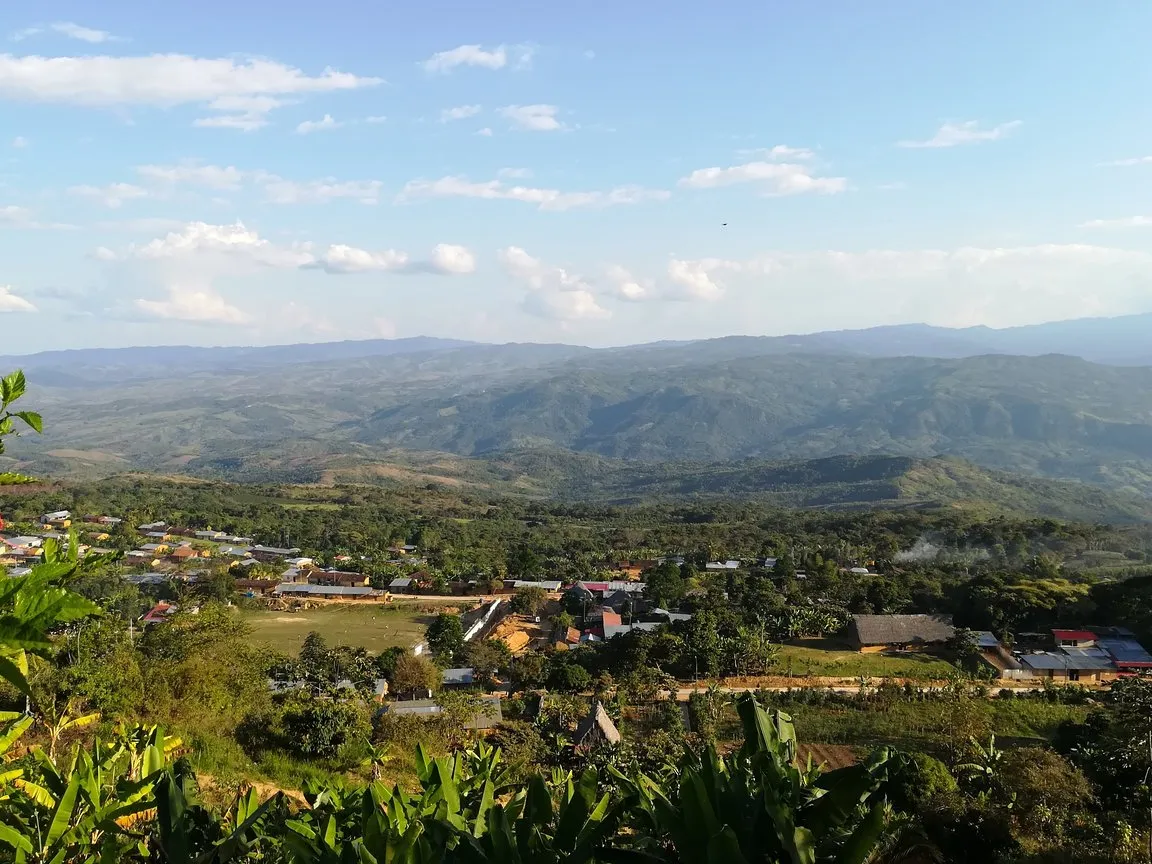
(374, 627)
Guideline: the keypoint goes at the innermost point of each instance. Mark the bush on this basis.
(320, 727)
(922, 780)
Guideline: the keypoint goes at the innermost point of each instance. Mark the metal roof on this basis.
(464, 675)
(1074, 635)
(1125, 652)
(340, 590)
(613, 630)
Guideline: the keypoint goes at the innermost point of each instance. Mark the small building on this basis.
(487, 716)
(463, 677)
(400, 585)
(183, 553)
(597, 728)
(1083, 665)
(1074, 638)
(152, 526)
(155, 548)
(873, 633)
(730, 564)
(337, 577)
(300, 562)
(333, 592)
(159, 613)
(253, 587)
(611, 631)
(61, 518)
(273, 553)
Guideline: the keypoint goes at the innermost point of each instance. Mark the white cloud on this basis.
(997, 286)
(11, 214)
(476, 55)
(460, 112)
(10, 302)
(446, 259)
(19, 142)
(1127, 163)
(780, 151)
(544, 199)
(103, 253)
(484, 133)
(968, 132)
(235, 241)
(241, 91)
(553, 292)
(325, 122)
(193, 173)
(84, 34)
(776, 178)
(277, 190)
(194, 304)
(27, 32)
(376, 119)
(1124, 222)
(533, 118)
(113, 195)
(626, 287)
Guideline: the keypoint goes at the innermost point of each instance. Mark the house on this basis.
(208, 535)
(102, 520)
(722, 565)
(607, 618)
(245, 564)
(463, 677)
(341, 592)
(234, 551)
(872, 633)
(300, 562)
(159, 613)
(155, 548)
(487, 717)
(273, 553)
(400, 584)
(1121, 646)
(251, 587)
(337, 577)
(152, 526)
(596, 728)
(156, 535)
(619, 601)
(1085, 665)
(858, 571)
(550, 586)
(59, 518)
(1074, 638)
(25, 541)
(183, 553)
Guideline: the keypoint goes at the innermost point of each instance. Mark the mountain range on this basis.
(1067, 401)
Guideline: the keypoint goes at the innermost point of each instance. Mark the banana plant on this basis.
(759, 805)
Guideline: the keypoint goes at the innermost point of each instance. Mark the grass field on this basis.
(374, 627)
(824, 658)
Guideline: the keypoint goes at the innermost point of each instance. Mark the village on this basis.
(580, 613)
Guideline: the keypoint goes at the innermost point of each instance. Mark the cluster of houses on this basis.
(1090, 656)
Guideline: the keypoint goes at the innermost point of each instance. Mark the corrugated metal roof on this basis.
(1125, 651)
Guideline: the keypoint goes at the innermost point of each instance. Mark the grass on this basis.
(374, 626)
(825, 658)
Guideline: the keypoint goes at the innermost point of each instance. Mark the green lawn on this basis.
(824, 658)
(374, 627)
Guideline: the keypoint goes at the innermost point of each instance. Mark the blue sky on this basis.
(257, 174)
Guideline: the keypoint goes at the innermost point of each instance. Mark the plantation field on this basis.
(374, 626)
(825, 658)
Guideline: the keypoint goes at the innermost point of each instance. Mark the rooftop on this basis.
(901, 629)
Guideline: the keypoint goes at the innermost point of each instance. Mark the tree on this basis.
(529, 601)
(320, 726)
(445, 637)
(414, 673)
(664, 585)
(529, 671)
(487, 657)
(522, 561)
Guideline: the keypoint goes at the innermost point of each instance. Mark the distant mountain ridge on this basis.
(1122, 341)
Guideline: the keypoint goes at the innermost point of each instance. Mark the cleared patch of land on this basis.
(825, 658)
(374, 626)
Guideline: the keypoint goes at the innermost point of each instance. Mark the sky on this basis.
(595, 173)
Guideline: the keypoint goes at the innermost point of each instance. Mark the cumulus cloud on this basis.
(459, 112)
(10, 302)
(113, 195)
(309, 126)
(552, 292)
(241, 92)
(533, 118)
(198, 305)
(774, 178)
(968, 132)
(446, 259)
(519, 56)
(544, 199)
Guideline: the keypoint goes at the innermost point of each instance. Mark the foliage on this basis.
(529, 601)
(445, 637)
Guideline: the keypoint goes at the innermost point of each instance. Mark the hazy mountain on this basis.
(302, 410)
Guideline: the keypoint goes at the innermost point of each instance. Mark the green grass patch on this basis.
(825, 658)
(374, 626)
